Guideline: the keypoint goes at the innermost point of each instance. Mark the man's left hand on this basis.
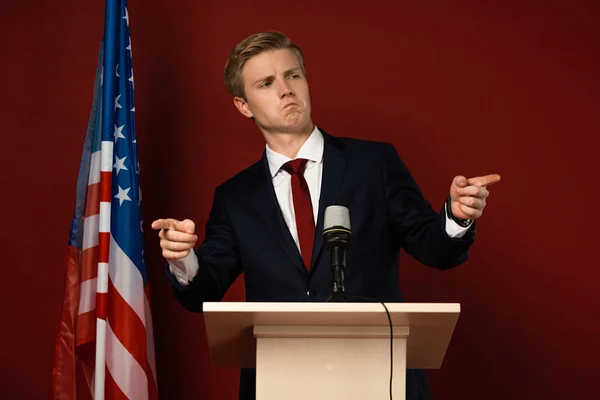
(469, 195)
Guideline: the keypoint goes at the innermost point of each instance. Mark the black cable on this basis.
(391, 332)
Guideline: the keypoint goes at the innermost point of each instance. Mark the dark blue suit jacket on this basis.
(246, 233)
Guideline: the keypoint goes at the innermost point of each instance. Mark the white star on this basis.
(118, 132)
(120, 164)
(118, 76)
(122, 195)
(126, 17)
(117, 105)
(131, 79)
(133, 109)
(142, 228)
(129, 47)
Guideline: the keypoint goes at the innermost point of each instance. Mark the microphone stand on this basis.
(338, 261)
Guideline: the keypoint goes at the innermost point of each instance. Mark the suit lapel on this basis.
(334, 163)
(271, 212)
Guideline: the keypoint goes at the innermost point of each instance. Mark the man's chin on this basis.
(296, 122)
(288, 125)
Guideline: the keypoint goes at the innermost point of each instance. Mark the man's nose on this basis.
(284, 89)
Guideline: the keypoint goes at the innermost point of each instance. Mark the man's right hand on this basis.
(177, 238)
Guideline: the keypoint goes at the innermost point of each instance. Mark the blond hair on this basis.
(253, 46)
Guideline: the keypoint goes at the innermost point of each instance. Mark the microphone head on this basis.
(336, 217)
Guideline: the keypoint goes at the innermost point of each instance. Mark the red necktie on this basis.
(305, 222)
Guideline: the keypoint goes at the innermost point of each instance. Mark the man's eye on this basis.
(295, 76)
(266, 84)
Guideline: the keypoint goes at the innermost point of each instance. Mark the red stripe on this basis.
(127, 326)
(86, 328)
(101, 305)
(103, 247)
(92, 203)
(89, 263)
(106, 186)
(111, 389)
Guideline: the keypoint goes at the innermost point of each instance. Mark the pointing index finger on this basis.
(486, 180)
(167, 223)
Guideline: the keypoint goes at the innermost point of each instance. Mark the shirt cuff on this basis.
(453, 229)
(185, 269)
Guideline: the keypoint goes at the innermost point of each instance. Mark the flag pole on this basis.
(110, 53)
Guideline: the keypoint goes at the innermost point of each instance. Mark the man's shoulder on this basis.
(245, 179)
(357, 147)
(362, 144)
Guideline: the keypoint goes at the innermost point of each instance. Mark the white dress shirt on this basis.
(186, 268)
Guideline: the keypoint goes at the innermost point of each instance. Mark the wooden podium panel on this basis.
(229, 326)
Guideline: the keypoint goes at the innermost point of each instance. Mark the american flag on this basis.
(106, 322)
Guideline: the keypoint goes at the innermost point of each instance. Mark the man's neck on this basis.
(288, 143)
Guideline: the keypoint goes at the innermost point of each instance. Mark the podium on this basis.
(333, 350)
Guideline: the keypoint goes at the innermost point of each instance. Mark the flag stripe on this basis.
(112, 389)
(105, 213)
(104, 247)
(101, 305)
(106, 187)
(128, 281)
(94, 176)
(89, 263)
(87, 298)
(90, 231)
(86, 328)
(124, 369)
(92, 205)
(102, 278)
(126, 325)
(106, 158)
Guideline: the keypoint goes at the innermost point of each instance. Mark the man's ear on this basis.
(242, 107)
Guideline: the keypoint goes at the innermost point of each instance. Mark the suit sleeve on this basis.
(417, 227)
(218, 262)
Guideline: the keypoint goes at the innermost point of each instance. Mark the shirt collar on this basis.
(311, 150)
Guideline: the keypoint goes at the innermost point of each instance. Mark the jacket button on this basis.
(311, 293)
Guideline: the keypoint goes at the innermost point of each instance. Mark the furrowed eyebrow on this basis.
(291, 71)
(263, 79)
(271, 78)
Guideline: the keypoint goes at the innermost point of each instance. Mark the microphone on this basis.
(337, 239)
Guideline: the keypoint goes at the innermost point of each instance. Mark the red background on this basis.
(470, 87)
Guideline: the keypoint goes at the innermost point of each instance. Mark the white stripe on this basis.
(102, 286)
(87, 296)
(127, 280)
(104, 225)
(150, 339)
(94, 176)
(100, 359)
(107, 157)
(90, 231)
(127, 373)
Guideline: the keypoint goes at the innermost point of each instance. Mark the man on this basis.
(267, 220)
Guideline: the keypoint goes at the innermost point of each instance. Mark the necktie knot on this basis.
(295, 167)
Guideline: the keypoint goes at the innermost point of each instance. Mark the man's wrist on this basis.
(461, 222)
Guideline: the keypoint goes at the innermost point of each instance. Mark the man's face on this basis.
(276, 92)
